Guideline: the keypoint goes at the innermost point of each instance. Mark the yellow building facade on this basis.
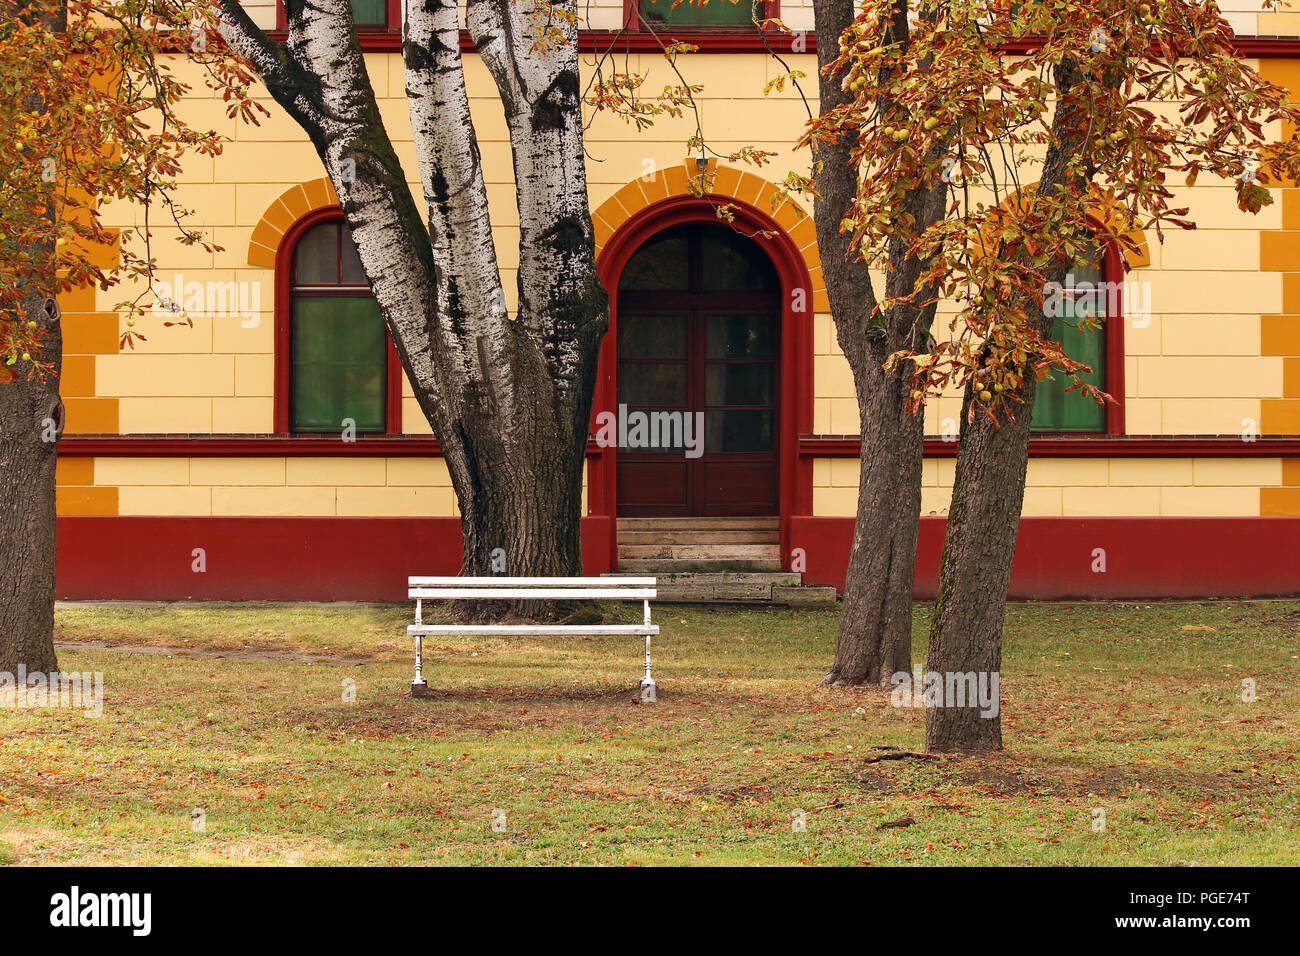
(182, 473)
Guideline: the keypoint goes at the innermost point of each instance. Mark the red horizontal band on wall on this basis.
(810, 446)
(1146, 558)
(1101, 446)
(720, 41)
(267, 559)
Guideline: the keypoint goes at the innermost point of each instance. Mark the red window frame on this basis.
(393, 25)
(632, 23)
(283, 390)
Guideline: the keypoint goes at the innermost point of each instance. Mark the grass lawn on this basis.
(240, 711)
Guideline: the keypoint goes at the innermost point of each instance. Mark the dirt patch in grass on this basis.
(216, 654)
(1072, 780)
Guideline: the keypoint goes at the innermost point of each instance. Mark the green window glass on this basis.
(693, 13)
(339, 346)
(370, 13)
(1056, 409)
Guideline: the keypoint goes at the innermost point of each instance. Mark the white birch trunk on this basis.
(509, 398)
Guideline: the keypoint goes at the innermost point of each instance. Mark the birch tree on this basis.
(508, 396)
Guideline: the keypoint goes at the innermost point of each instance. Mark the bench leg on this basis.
(648, 688)
(419, 685)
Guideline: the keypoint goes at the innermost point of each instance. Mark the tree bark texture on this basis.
(509, 397)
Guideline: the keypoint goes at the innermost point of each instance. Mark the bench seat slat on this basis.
(522, 629)
(508, 593)
(417, 581)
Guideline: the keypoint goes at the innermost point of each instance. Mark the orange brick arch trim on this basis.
(728, 182)
(294, 203)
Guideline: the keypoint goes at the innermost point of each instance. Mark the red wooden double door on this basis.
(698, 328)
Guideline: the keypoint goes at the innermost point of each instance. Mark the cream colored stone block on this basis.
(1150, 471)
(287, 161)
(243, 416)
(396, 501)
(283, 501)
(335, 471)
(823, 333)
(1111, 501)
(1190, 293)
(822, 416)
(172, 416)
(1220, 377)
(1143, 336)
(845, 472)
(230, 334)
(1142, 416)
(930, 472)
(162, 500)
(142, 471)
(844, 417)
(254, 198)
(164, 376)
(822, 472)
(1044, 502)
(254, 375)
(833, 377)
(1209, 501)
(1209, 250)
(1063, 472)
(1213, 335)
(1252, 472)
(418, 472)
(413, 420)
(835, 501)
(936, 501)
(1203, 416)
(237, 471)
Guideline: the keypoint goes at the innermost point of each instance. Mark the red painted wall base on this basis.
(366, 559)
(1144, 557)
(269, 559)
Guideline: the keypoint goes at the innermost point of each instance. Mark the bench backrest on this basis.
(502, 588)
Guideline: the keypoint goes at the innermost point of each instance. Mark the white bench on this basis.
(421, 589)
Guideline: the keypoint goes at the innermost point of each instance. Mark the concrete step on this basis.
(698, 537)
(807, 595)
(725, 587)
(699, 524)
(683, 565)
(702, 552)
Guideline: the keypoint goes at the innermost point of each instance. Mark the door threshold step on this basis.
(699, 537)
(759, 523)
(701, 552)
(683, 565)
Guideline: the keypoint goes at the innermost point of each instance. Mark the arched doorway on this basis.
(699, 376)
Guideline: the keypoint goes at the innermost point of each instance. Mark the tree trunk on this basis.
(509, 399)
(31, 418)
(980, 544)
(875, 640)
(989, 492)
(31, 423)
(875, 636)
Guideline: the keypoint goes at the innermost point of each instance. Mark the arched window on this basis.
(338, 370)
(1089, 326)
